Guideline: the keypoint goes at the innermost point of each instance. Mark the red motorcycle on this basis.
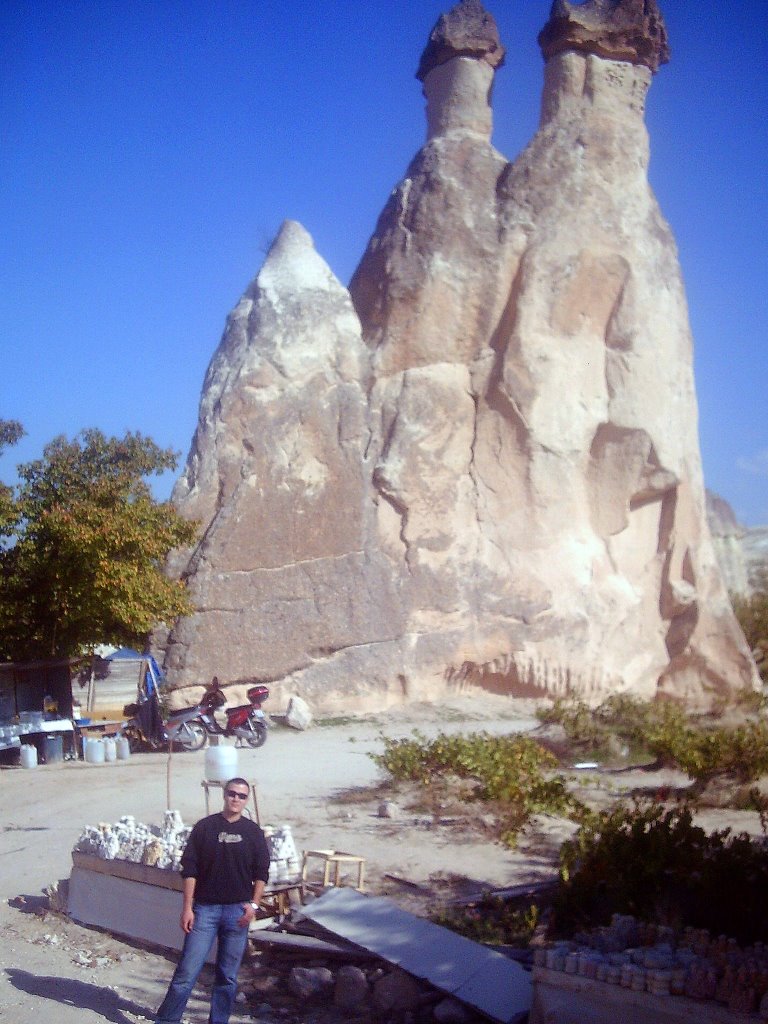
(191, 727)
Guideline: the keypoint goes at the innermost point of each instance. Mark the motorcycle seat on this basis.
(181, 711)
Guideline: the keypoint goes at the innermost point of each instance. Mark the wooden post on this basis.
(168, 805)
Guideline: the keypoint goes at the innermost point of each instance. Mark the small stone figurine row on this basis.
(691, 964)
(162, 847)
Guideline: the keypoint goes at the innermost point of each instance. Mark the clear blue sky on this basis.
(150, 149)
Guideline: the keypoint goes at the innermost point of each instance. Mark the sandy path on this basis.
(57, 971)
(43, 811)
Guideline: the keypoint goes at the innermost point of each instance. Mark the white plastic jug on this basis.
(220, 764)
(110, 749)
(94, 751)
(123, 748)
(28, 756)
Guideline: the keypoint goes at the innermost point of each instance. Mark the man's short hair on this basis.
(241, 782)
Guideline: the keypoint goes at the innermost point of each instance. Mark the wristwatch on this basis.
(255, 906)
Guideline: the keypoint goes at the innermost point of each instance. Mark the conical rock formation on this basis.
(500, 482)
(283, 575)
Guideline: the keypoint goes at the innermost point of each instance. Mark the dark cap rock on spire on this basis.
(628, 30)
(467, 30)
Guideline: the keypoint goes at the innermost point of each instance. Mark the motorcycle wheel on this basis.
(257, 733)
(191, 736)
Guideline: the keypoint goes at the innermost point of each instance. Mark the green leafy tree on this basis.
(84, 564)
(10, 432)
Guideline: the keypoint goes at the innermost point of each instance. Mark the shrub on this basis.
(514, 770)
(658, 865)
(663, 730)
(492, 920)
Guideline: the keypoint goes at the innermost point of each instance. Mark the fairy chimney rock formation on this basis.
(480, 465)
(457, 69)
(625, 30)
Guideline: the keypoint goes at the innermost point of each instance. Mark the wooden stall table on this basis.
(333, 862)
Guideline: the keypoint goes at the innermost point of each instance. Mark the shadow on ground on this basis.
(80, 994)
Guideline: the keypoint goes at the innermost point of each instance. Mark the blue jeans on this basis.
(212, 921)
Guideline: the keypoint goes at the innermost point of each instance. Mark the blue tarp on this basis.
(155, 674)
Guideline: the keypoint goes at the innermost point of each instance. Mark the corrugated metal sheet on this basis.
(119, 686)
(480, 977)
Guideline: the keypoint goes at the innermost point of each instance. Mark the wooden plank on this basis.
(480, 977)
(147, 874)
(163, 878)
(409, 884)
(138, 911)
(309, 944)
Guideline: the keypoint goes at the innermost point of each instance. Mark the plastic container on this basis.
(94, 751)
(110, 749)
(28, 756)
(122, 748)
(53, 751)
(220, 764)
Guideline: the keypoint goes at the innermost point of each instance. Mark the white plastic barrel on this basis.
(94, 751)
(122, 748)
(110, 749)
(220, 763)
(28, 756)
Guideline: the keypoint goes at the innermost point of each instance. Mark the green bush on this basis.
(491, 920)
(515, 771)
(664, 731)
(656, 864)
(740, 751)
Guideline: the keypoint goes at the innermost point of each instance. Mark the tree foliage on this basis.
(10, 432)
(87, 546)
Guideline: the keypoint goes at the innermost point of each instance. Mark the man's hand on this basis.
(187, 920)
(248, 915)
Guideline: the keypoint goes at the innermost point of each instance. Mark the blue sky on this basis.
(150, 149)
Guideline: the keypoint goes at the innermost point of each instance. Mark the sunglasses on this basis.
(233, 795)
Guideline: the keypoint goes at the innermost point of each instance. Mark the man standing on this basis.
(225, 866)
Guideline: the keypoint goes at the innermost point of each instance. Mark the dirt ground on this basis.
(321, 782)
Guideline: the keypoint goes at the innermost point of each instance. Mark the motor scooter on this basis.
(191, 727)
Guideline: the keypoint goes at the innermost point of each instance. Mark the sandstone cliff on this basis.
(496, 481)
(742, 552)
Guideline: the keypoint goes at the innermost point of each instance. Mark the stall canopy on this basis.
(119, 679)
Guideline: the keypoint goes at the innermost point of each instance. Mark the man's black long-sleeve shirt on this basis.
(225, 858)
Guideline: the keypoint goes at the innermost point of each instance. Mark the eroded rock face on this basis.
(625, 30)
(500, 484)
(727, 536)
(467, 30)
(742, 552)
(284, 574)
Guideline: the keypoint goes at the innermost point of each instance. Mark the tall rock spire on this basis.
(457, 68)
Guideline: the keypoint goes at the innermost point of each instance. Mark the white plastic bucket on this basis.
(110, 749)
(220, 764)
(122, 748)
(94, 751)
(28, 756)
